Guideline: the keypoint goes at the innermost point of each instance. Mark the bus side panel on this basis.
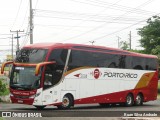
(117, 97)
(111, 89)
(151, 91)
(148, 86)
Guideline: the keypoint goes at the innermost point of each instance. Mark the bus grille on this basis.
(22, 97)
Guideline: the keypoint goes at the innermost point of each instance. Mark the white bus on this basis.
(67, 74)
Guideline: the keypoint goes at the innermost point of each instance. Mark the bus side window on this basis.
(122, 61)
(147, 67)
(58, 55)
(112, 65)
(48, 78)
(138, 67)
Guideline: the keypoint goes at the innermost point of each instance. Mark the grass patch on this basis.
(1, 118)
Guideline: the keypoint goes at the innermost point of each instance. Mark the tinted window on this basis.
(128, 61)
(101, 50)
(141, 63)
(80, 58)
(122, 61)
(53, 73)
(93, 59)
(138, 63)
(59, 55)
(151, 64)
(31, 55)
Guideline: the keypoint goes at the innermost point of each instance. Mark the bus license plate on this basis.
(20, 101)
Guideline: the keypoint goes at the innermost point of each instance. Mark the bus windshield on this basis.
(31, 55)
(23, 78)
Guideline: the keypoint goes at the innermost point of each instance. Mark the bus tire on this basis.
(67, 102)
(129, 100)
(139, 100)
(40, 107)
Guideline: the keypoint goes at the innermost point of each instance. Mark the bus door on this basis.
(47, 97)
(53, 75)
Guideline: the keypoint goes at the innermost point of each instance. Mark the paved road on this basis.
(89, 110)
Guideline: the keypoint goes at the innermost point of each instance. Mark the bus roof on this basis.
(86, 47)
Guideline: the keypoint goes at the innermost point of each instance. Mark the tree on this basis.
(150, 36)
(124, 45)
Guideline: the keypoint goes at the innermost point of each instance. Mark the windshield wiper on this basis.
(21, 87)
(16, 87)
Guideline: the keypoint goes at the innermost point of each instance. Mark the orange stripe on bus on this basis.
(73, 70)
(145, 79)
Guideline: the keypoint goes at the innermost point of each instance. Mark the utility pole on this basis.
(92, 42)
(118, 41)
(130, 41)
(17, 38)
(31, 22)
(12, 47)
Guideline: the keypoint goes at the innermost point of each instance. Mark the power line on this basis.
(25, 15)
(69, 29)
(4, 45)
(16, 15)
(36, 4)
(26, 38)
(82, 16)
(6, 38)
(124, 8)
(31, 22)
(17, 31)
(117, 7)
(5, 34)
(102, 25)
(121, 29)
(100, 21)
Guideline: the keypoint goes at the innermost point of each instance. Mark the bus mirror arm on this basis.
(39, 65)
(4, 64)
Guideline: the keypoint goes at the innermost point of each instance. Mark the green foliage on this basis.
(124, 45)
(138, 51)
(3, 89)
(150, 36)
(156, 50)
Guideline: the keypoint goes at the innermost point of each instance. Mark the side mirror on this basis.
(39, 65)
(4, 64)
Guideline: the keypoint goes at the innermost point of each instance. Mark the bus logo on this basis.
(96, 73)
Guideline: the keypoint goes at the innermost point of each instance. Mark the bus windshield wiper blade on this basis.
(21, 87)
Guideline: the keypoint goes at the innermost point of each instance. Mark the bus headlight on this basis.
(36, 95)
(11, 95)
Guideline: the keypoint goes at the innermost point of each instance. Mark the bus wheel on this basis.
(67, 102)
(139, 100)
(129, 100)
(40, 107)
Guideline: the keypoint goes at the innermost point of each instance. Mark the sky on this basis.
(74, 21)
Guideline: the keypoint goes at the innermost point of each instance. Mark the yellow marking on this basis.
(145, 79)
(4, 64)
(38, 66)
